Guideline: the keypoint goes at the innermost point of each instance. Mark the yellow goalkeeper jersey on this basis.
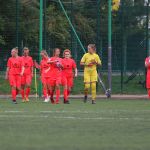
(89, 58)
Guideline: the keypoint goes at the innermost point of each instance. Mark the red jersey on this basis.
(44, 67)
(28, 64)
(56, 70)
(15, 65)
(68, 66)
(147, 61)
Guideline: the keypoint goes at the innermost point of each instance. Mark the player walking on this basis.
(15, 69)
(147, 65)
(45, 74)
(56, 74)
(26, 79)
(90, 61)
(69, 66)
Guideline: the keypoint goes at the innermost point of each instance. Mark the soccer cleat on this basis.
(93, 102)
(85, 99)
(27, 99)
(66, 102)
(52, 101)
(14, 101)
(23, 100)
(57, 102)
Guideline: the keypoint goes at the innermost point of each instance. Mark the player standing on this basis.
(69, 66)
(90, 61)
(45, 69)
(26, 79)
(147, 65)
(15, 69)
(56, 74)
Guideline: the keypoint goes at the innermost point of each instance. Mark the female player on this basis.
(26, 79)
(69, 66)
(56, 74)
(90, 61)
(147, 65)
(45, 74)
(15, 69)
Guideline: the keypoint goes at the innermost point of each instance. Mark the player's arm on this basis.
(75, 69)
(82, 62)
(7, 72)
(32, 67)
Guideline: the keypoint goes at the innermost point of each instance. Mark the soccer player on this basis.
(26, 79)
(15, 69)
(90, 61)
(45, 69)
(56, 74)
(69, 66)
(147, 65)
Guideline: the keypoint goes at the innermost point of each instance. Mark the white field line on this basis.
(77, 111)
(74, 118)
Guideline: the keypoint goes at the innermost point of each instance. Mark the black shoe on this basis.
(14, 102)
(93, 102)
(85, 98)
(66, 102)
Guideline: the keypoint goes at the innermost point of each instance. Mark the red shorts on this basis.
(15, 80)
(45, 80)
(54, 82)
(26, 79)
(64, 81)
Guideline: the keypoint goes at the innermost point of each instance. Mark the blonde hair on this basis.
(25, 48)
(93, 46)
(44, 52)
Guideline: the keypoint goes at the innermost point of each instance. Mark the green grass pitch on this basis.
(108, 125)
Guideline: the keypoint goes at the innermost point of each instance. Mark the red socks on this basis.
(13, 93)
(65, 94)
(68, 92)
(45, 93)
(57, 96)
(27, 92)
(148, 91)
(22, 93)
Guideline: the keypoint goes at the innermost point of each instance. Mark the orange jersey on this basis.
(68, 66)
(56, 70)
(15, 65)
(45, 68)
(28, 64)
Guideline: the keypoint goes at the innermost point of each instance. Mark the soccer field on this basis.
(108, 125)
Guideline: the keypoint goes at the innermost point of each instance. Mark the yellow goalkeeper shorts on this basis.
(90, 76)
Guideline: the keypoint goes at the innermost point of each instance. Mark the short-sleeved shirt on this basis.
(28, 64)
(88, 58)
(68, 66)
(15, 65)
(44, 67)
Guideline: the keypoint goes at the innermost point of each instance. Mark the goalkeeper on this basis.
(90, 61)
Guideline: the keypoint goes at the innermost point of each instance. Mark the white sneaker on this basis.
(47, 100)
